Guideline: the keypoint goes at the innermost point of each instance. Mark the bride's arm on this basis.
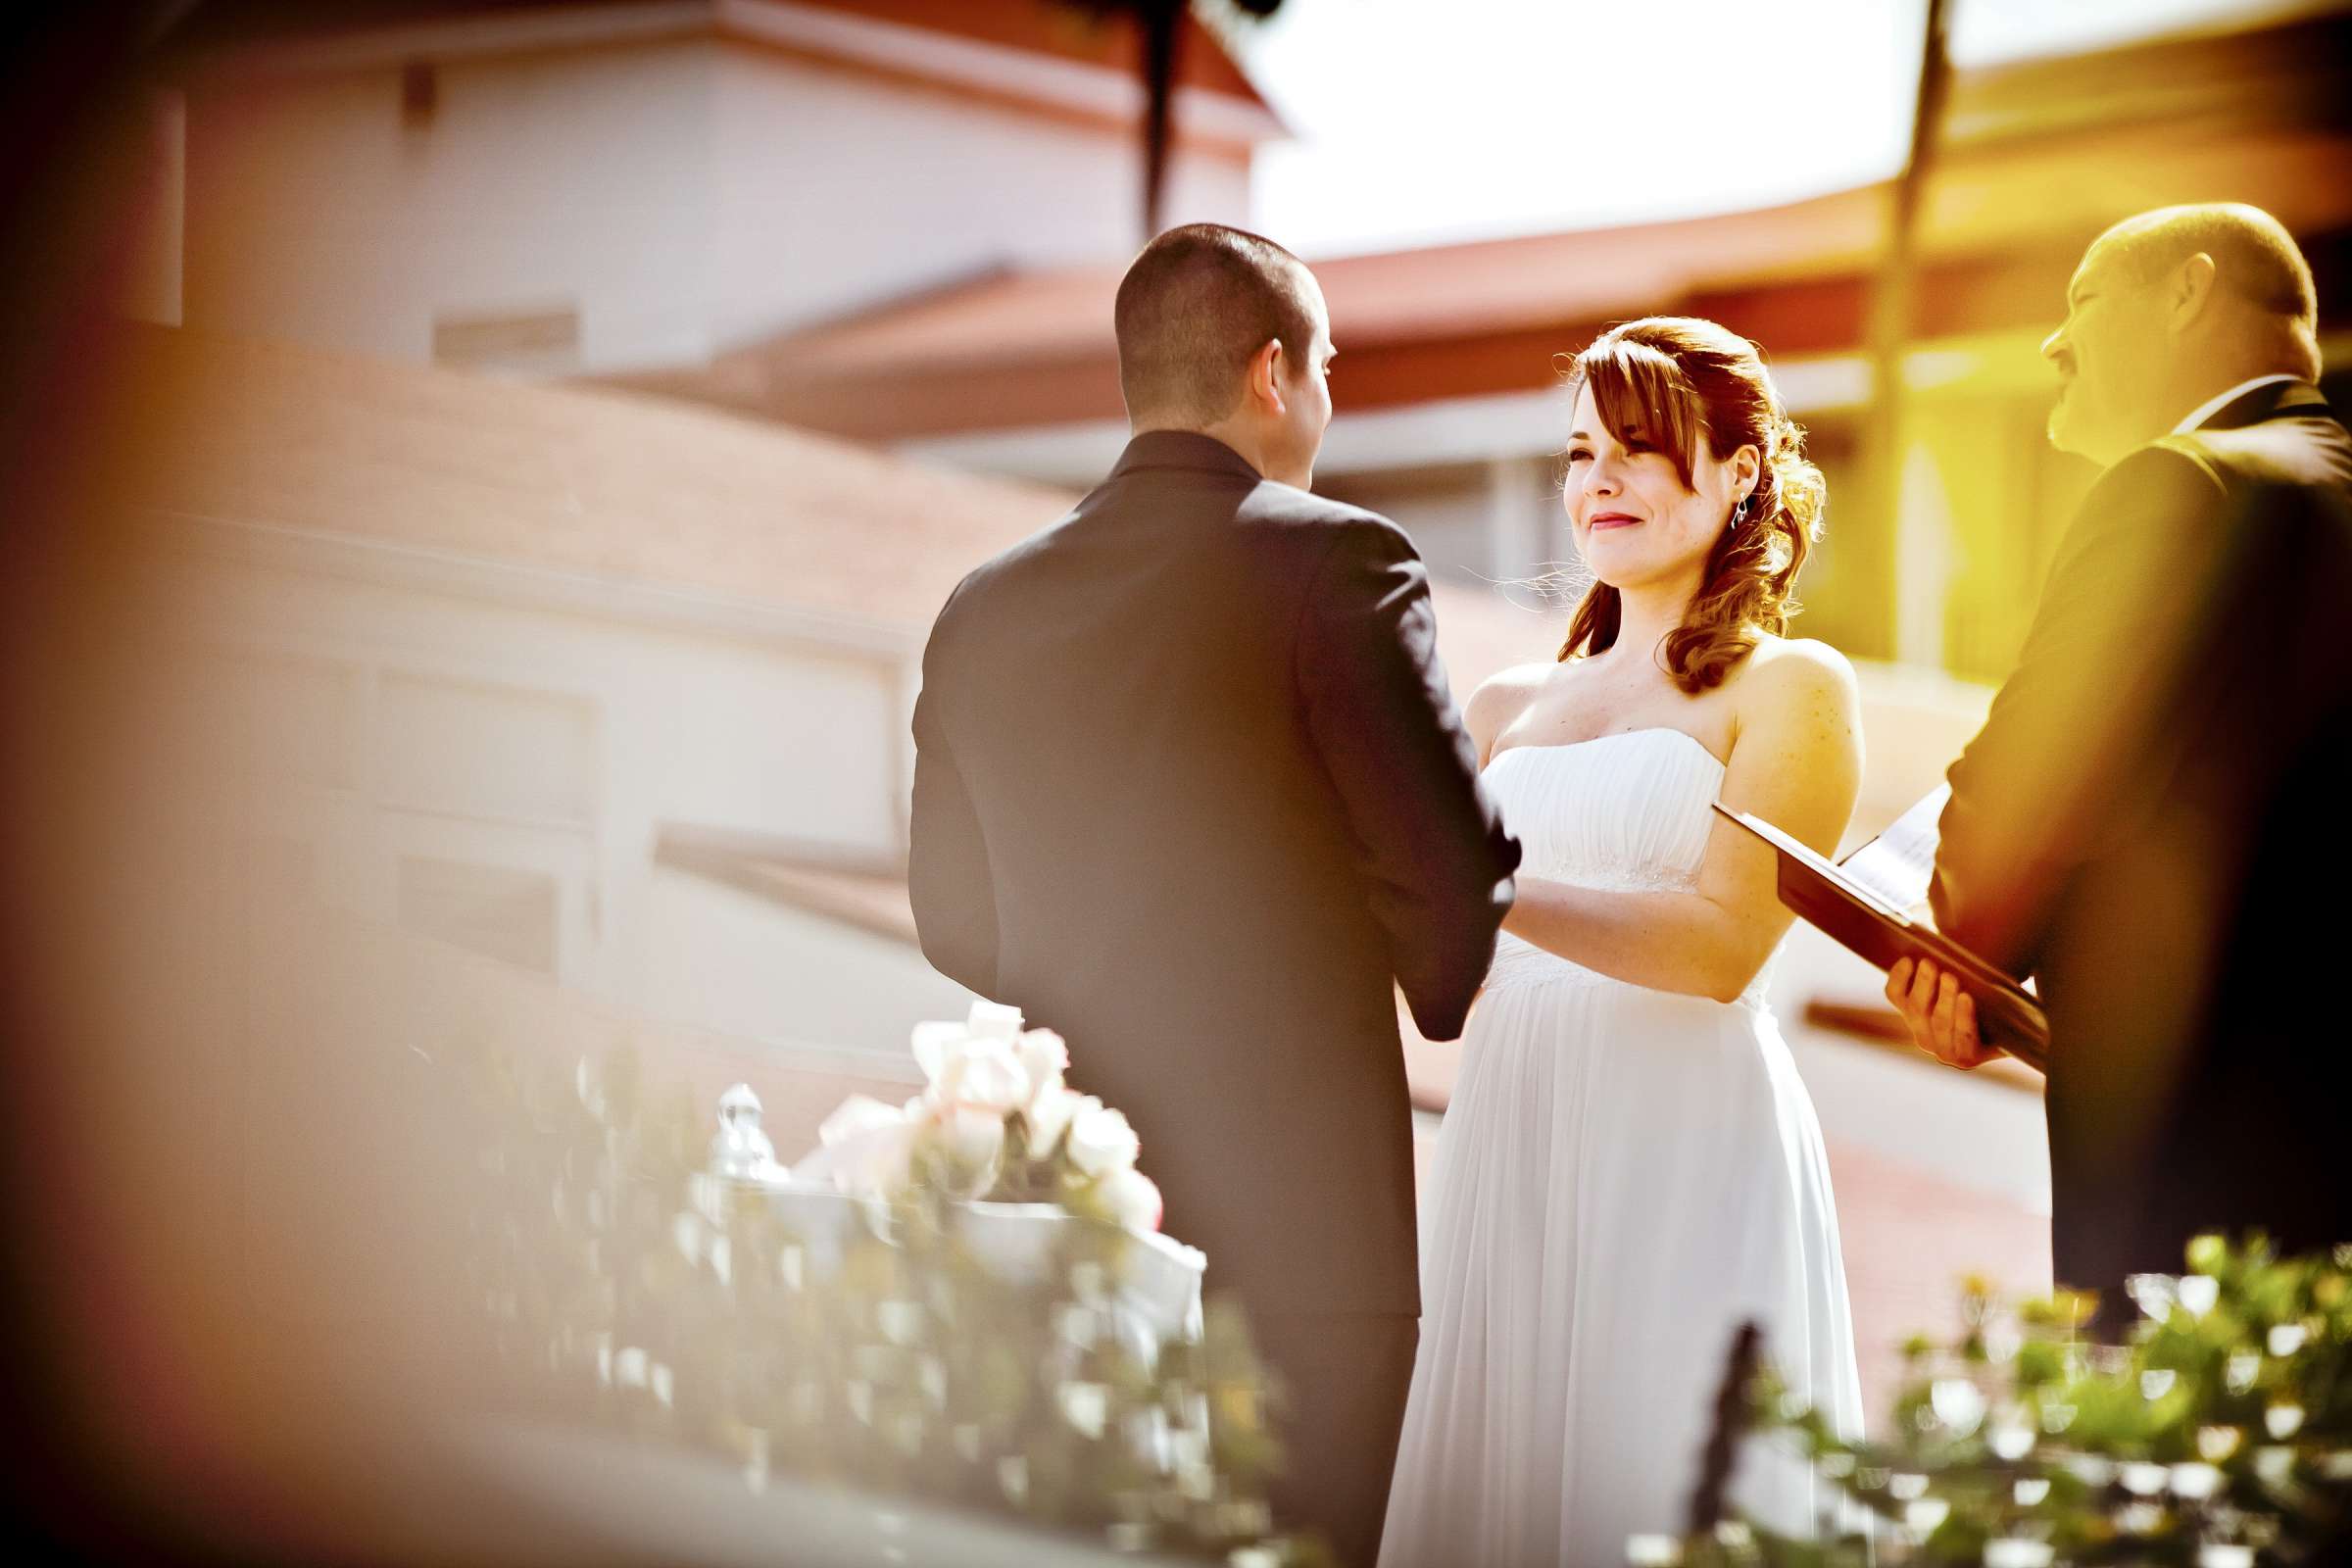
(1796, 761)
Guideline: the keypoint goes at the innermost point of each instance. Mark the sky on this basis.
(1426, 120)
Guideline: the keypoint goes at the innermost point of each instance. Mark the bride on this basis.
(1630, 1167)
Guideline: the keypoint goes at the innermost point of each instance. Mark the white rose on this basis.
(864, 1147)
(971, 1071)
(878, 1162)
(933, 1040)
(1100, 1140)
(856, 1115)
(1044, 1058)
(1049, 1117)
(1131, 1198)
(992, 1020)
(972, 1135)
(969, 1145)
(967, 1068)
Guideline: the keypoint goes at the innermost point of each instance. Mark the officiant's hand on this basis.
(1941, 1017)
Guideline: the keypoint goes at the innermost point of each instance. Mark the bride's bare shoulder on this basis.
(1501, 698)
(1798, 679)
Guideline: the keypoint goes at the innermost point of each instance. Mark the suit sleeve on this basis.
(1437, 863)
(947, 857)
(2077, 734)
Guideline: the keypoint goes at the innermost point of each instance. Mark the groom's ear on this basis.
(1267, 365)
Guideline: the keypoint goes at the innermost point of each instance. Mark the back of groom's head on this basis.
(1196, 307)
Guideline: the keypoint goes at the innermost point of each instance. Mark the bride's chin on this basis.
(1621, 573)
(1630, 570)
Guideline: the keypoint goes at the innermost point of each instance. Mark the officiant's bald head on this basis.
(1225, 333)
(2170, 307)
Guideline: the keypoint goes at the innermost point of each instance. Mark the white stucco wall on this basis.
(837, 190)
(581, 178)
(723, 960)
(426, 758)
(682, 195)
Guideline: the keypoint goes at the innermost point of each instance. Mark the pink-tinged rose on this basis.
(1131, 1198)
(1049, 1117)
(1100, 1140)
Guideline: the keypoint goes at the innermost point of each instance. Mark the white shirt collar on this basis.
(2207, 410)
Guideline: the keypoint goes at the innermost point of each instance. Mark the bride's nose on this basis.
(1600, 478)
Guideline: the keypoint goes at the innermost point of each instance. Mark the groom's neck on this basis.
(1231, 433)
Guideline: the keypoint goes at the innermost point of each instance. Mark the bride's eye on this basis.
(1579, 455)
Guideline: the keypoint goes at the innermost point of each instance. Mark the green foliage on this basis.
(2218, 1433)
(632, 1289)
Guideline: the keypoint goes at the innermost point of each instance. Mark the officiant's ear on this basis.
(2191, 286)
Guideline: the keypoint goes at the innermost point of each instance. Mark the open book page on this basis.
(1866, 905)
(1897, 864)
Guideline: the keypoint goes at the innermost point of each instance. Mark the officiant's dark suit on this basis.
(1190, 789)
(2151, 823)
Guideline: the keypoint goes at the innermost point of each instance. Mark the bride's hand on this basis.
(1941, 1017)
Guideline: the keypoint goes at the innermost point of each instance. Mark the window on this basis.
(523, 340)
(498, 912)
(506, 754)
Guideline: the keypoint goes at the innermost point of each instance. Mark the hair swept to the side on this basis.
(1690, 385)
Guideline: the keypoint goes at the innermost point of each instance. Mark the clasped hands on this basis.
(1941, 1017)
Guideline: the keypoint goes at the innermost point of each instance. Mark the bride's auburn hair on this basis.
(1682, 381)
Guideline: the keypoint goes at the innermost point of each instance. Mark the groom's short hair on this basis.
(1195, 306)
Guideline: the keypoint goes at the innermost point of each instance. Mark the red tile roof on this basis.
(602, 483)
(595, 482)
(1056, 30)
(2040, 156)
(1040, 343)
(1064, 31)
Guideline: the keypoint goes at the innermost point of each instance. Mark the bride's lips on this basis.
(1612, 519)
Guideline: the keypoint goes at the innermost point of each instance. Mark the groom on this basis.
(1189, 789)
(2151, 820)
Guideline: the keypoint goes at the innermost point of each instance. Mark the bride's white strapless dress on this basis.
(1623, 1177)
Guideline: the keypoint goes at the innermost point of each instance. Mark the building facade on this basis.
(590, 188)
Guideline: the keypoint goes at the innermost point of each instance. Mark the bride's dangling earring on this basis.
(1738, 514)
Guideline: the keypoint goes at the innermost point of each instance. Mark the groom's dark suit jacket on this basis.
(1189, 789)
(2153, 822)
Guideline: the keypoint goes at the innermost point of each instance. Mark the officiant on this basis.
(2150, 822)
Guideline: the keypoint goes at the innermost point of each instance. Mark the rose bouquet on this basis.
(1020, 1360)
(996, 1122)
